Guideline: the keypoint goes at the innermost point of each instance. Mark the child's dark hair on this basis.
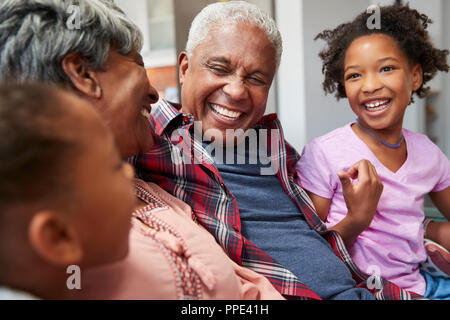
(405, 25)
(32, 147)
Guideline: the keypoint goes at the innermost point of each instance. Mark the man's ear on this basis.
(54, 240)
(417, 76)
(84, 79)
(183, 62)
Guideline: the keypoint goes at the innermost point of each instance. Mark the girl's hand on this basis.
(361, 199)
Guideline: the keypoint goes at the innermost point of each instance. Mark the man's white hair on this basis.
(233, 12)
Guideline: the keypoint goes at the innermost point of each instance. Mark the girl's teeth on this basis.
(377, 105)
(226, 113)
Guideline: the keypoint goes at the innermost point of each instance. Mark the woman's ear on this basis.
(417, 76)
(54, 240)
(183, 62)
(84, 79)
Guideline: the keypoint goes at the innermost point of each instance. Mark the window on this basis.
(156, 20)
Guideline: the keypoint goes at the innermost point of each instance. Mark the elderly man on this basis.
(261, 218)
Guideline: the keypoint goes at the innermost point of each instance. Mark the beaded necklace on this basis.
(393, 146)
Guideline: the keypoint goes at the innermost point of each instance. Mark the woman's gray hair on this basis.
(233, 12)
(36, 35)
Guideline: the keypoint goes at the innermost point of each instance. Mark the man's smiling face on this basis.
(226, 82)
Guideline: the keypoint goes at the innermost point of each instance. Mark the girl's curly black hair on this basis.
(406, 26)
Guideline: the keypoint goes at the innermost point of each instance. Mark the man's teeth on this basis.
(225, 112)
(378, 105)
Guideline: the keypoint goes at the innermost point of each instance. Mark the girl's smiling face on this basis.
(379, 81)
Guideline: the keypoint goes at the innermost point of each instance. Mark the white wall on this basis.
(446, 82)
(291, 74)
(442, 102)
(323, 112)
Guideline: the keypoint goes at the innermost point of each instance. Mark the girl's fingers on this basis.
(353, 172)
(362, 170)
(344, 177)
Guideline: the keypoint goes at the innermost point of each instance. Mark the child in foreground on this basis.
(66, 197)
(379, 71)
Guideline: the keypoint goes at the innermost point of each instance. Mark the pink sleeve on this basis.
(444, 172)
(254, 286)
(315, 173)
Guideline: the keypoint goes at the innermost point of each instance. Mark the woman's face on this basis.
(127, 96)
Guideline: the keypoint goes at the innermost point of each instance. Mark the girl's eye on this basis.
(353, 76)
(387, 69)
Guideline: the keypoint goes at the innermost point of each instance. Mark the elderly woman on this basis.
(171, 257)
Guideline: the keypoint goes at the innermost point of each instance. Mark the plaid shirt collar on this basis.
(165, 114)
(218, 213)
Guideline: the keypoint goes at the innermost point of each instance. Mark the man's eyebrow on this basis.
(264, 74)
(227, 62)
(218, 59)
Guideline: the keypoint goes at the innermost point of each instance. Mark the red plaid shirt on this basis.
(180, 165)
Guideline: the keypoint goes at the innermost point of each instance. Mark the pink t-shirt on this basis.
(392, 246)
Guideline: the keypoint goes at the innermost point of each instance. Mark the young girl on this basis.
(378, 71)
